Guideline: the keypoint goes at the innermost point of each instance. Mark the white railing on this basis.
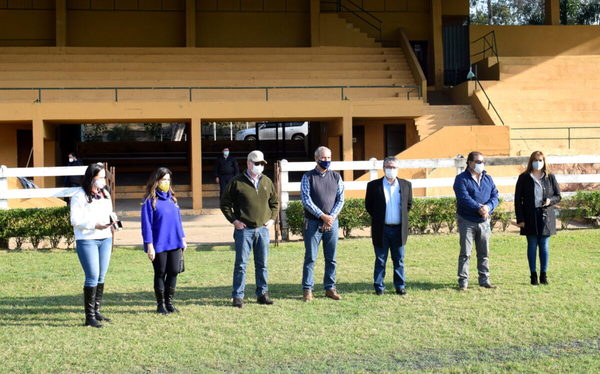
(373, 166)
(6, 194)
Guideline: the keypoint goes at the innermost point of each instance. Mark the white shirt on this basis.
(392, 202)
(85, 216)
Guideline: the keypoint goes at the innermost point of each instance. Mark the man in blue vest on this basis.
(323, 198)
(476, 199)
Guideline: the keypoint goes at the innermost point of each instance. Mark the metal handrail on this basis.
(339, 5)
(487, 45)
(568, 138)
(490, 104)
(190, 89)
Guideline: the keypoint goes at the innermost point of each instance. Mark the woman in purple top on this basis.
(164, 241)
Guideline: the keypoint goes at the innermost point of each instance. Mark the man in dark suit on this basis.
(388, 201)
(226, 167)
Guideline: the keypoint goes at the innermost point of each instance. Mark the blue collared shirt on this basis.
(310, 205)
(392, 202)
(255, 181)
(469, 194)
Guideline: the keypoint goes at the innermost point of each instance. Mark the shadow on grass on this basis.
(32, 309)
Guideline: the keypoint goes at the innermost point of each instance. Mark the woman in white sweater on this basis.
(91, 208)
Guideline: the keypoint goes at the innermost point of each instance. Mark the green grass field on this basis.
(435, 328)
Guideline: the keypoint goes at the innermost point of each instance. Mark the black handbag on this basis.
(181, 262)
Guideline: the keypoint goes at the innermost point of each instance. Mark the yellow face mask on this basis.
(164, 186)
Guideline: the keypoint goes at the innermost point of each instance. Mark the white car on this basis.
(266, 131)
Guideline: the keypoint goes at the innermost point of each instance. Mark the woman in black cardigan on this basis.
(536, 194)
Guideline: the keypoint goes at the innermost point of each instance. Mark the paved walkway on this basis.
(209, 227)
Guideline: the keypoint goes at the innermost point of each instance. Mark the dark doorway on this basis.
(24, 148)
(456, 51)
(358, 147)
(395, 139)
(420, 47)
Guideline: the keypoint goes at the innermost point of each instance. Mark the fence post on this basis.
(3, 187)
(373, 172)
(285, 195)
(459, 163)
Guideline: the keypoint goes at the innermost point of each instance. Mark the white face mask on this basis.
(478, 168)
(537, 165)
(100, 183)
(71, 159)
(390, 173)
(258, 169)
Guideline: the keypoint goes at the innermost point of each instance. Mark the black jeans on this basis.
(166, 267)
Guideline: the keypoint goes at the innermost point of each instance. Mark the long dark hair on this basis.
(152, 185)
(88, 180)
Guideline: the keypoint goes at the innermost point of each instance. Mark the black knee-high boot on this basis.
(160, 301)
(89, 297)
(534, 278)
(169, 300)
(99, 294)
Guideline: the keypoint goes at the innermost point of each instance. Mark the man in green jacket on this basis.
(250, 203)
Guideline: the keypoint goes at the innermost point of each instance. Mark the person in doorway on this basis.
(322, 192)
(91, 208)
(226, 167)
(536, 193)
(476, 199)
(388, 201)
(251, 204)
(73, 180)
(164, 240)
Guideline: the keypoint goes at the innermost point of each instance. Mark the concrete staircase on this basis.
(84, 68)
(436, 117)
(345, 32)
(547, 100)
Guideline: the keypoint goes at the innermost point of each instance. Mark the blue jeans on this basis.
(392, 241)
(94, 256)
(312, 238)
(256, 240)
(533, 242)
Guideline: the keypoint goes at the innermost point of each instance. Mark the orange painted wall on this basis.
(540, 40)
(375, 134)
(262, 29)
(27, 27)
(125, 29)
(8, 146)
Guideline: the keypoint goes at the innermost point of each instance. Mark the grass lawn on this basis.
(435, 328)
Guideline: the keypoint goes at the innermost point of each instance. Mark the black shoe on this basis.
(160, 301)
(264, 299)
(543, 278)
(237, 303)
(378, 292)
(99, 294)
(534, 278)
(89, 299)
(488, 285)
(169, 301)
(401, 291)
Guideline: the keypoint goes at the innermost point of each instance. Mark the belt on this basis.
(386, 225)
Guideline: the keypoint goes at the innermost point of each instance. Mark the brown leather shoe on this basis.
(237, 303)
(488, 285)
(308, 296)
(332, 294)
(463, 288)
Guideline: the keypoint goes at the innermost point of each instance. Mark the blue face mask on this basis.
(225, 153)
(324, 164)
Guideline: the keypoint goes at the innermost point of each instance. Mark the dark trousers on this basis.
(223, 180)
(392, 243)
(166, 267)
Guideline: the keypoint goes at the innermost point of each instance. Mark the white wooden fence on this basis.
(6, 194)
(374, 165)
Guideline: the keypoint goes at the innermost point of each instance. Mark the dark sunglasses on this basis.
(260, 163)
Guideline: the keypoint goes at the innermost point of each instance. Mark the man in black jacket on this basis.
(388, 201)
(226, 168)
